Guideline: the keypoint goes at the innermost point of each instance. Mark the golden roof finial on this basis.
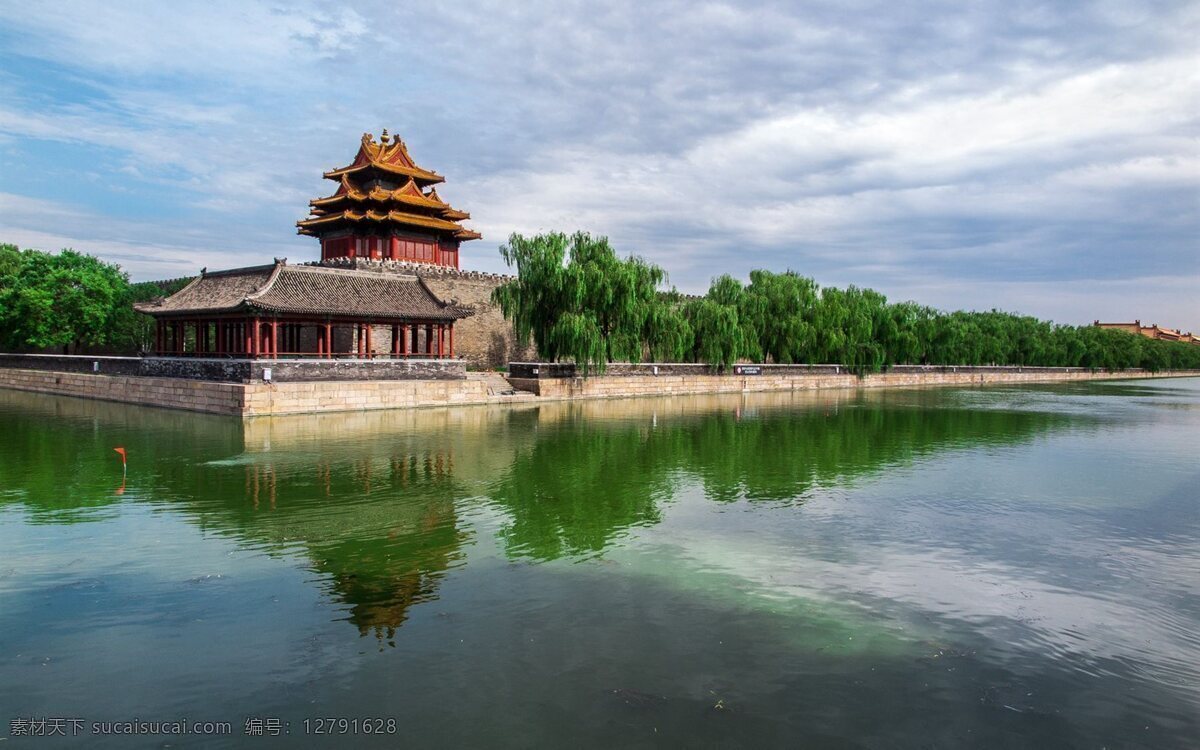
(383, 138)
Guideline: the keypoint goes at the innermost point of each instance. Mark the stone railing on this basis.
(243, 370)
(551, 370)
(427, 270)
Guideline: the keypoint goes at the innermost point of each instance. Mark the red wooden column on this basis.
(451, 326)
(275, 339)
(246, 332)
(429, 339)
(369, 351)
(395, 338)
(441, 338)
(329, 341)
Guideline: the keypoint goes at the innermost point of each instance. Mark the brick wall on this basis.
(485, 339)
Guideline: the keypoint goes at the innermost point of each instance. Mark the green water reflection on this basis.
(851, 533)
(373, 498)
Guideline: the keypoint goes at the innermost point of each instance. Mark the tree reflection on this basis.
(587, 480)
(374, 502)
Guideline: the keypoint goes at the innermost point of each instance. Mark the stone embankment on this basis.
(252, 399)
(623, 381)
(541, 383)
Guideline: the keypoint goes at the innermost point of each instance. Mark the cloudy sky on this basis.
(1036, 157)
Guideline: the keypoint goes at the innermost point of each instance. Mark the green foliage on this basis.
(69, 299)
(718, 332)
(669, 334)
(57, 300)
(777, 312)
(580, 302)
(132, 331)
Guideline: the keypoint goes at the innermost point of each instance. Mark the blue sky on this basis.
(1035, 157)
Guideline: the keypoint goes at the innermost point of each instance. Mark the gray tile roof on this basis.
(315, 290)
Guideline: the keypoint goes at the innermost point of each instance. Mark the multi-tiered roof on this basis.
(384, 194)
(385, 215)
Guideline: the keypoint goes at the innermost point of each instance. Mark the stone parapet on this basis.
(229, 370)
(409, 267)
(544, 370)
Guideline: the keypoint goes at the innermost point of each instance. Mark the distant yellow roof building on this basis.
(1151, 331)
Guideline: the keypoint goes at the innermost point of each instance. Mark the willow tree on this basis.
(779, 308)
(579, 301)
(669, 335)
(718, 332)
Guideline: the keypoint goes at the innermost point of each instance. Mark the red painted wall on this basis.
(443, 253)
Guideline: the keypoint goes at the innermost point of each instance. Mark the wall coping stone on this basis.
(554, 370)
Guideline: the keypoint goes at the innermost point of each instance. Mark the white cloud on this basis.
(987, 150)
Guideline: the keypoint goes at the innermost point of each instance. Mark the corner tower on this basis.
(386, 207)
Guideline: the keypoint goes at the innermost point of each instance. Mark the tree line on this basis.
(577, 300)
(72, 302)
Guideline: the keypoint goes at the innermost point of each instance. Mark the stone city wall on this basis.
(257, 398)
(485, 339)
(304, 398)
(251, 399)
(172, 393)
(622, 386)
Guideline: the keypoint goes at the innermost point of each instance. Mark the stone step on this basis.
(497, 384)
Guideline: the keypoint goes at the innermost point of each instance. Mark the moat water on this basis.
(941, 568)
